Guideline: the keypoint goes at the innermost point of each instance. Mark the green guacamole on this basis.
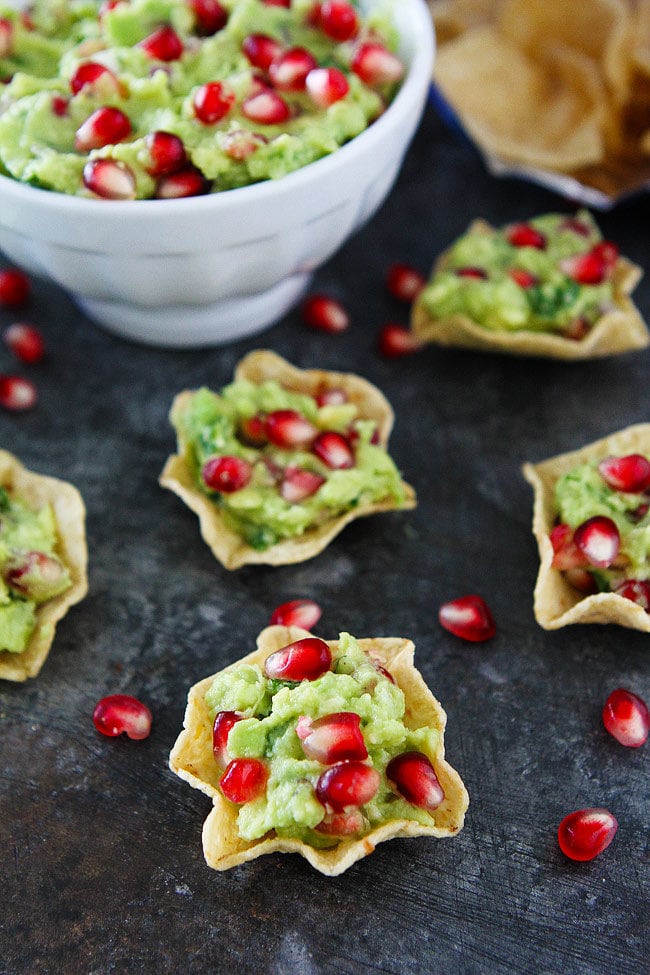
(271, 709)
(211, 426)
(506, 287)
(43, 104)
(24, 532)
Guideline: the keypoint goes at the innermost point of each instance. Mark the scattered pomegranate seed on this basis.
(566, 554)
(223, 722)
(265, 108)
(582, 580)
(210, 16)
(289, 69)
(575, 226)
(477, 273)
(15, 288)
(325, 313)
(594, 267)
(109, 178)
(25, 341)
(212, 102)
(298, 484)
(289, 429)
(166, 153)
(375, 65)
(404, 282)
(277, 3)
(626, 717)
(189, 181)
(338, 20)
(468, 617)
(332, 738)
(630, 474)
(325, 86)
(6, 37)
(577, 328)
(261, 50)
(60, 105)
(226, 474)
(584, 834)
(34, 575)
(120, 714)
(334, 450)
(637, 590)
(347, 784)
(306, 659)
(331, 396)
(95, 78)
(239, 144)
(16, 393)
(396, 340)
(106, 126)
(414, 778)
(163, 44)
(297, 612)
(348, 823)
(524, 235)
(523, 278)
(252, 431)
(244, 780)
(599, 540)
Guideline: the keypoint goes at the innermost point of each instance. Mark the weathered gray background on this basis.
(101, 845)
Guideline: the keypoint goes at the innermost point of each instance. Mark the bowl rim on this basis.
(412, 90)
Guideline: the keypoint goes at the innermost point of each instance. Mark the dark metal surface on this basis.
(101, 844)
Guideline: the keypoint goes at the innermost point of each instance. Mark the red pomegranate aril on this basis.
(582, 580)
(277, 3)
(244, 780)
(120, 714)
(17, 394)
(397, 340)
(475, 273)
(298, 484)
(575, 226)
(35, 575)
(347, 784)
(226, 474)
(608, 252)
(15, 288)
(525, 235)
(6, 37)
(210, 15)
(566, 554)
(523, 278)
(594, 267)
(25, 341)
(60, 105)
(325, 313)
(289, 70)
(304, 613)
(413, 776)
(577, 328)
(166, 153)
(223, 722)
(630, 474)
(334, 450)
(186, 182)
(265, 108)
(325, 86)
(289, 429)
(637, 590)
(599, 540)
(626, 717)
(584, 834)
(163, 44)
(261, 50)
(110, 179)
(468, 617)
(338, 20)
(95, 78)
(212, 102)
(252, 430)
(306, 659)
(404, 282)
(106, 126)
(332, 738)
(348, 823)
(376, 65)
(331, 396)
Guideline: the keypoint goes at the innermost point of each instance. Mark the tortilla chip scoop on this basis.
(192, 759)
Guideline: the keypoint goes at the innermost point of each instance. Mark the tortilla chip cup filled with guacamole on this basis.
(323, 748)
(592, 524)
(278, 462)
(43, 561)
(550, 286)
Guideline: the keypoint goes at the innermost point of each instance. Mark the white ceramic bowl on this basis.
(211, 269)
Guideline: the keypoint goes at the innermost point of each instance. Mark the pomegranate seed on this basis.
(347, 784)
(289, 429)
(95, 79)
(577, 329)
(106, 6)
(584, 834)
(396, 340)
(16, 393)
(15, 288)
(104, 127)
(566, 554)
(223, 722)
(265, 108)
(468, 617)
(325, 313)
(166, 153)
(594, 267)
(375, 65)
(122, 714)
(332, 738)
(163, 44)
(599, 540)
(639, 512)
(347, 823)
(414, 778)
(60, 106)
(626, 717)
(637, 590)
(289, 70)
(110, 179)
(306, 659)
(582, 580)
(326, 86)
(607, 252)
(575, 226)
(240, 143)
(244, 780)
(523, 278)
(404, 282)
(261, 50)
(331, 396)
(6, 37)
(477, 273)
(298, 484)
(226, 474)
(210, 16)
(212, 102)
(297, 612)
(26, 342)
(277, 3)
(186, 182)
(524, 235)
(338, 20)
(334, 450)
(251, 430)
(35, 575)
(630, 473)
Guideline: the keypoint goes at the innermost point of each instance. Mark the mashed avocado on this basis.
(275, 503)
(546, 275)
(30, 572)
(144, 65)
(269, 711)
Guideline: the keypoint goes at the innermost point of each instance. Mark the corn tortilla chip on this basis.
(192, 759)
(556, 602)
(37, 490)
